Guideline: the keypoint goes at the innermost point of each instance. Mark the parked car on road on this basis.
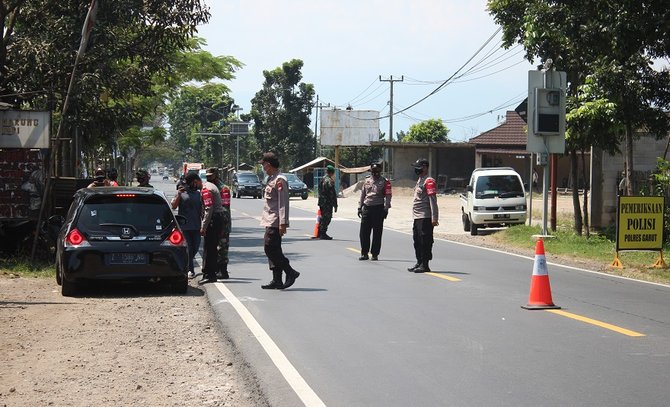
(246, 184)
(121, 233)
(295, 186)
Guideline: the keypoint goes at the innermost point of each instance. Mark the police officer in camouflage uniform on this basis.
(327, 202)
(373, 207)
(210, 227)
(425, 214)
(275, 220)
(224, 240)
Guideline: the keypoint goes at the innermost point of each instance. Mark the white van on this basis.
(495, 197)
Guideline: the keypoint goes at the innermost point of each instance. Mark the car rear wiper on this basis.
(121, 225)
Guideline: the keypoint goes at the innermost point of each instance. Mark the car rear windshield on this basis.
(247, 177)
(143, 213)
(503, 186)
(291, 178)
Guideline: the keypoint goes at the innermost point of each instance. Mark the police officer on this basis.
(224, 239)
(275, 221)
(327, 202)
(373, 207)
(143, 177)
(100, 179)
(211, 227)
(425, 214)
(189, 202)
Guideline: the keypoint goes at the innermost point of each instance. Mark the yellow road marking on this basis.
(354, 250)
(601, 324)
(438, 275)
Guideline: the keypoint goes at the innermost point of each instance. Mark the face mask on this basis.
(418, 170)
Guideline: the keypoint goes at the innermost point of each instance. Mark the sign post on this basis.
(639, 226)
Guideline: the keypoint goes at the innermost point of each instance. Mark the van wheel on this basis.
(473, 228)
(466, 222)
(179, 286)
(304, 197)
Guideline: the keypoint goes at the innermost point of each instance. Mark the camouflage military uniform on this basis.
(327, 201)
(224, 240)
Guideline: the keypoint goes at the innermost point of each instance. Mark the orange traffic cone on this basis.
(316, 226)
(540, 291)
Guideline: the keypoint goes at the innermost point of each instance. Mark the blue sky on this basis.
(347, 44)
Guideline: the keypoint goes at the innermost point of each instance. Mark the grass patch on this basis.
(597, 248)
(25, 268)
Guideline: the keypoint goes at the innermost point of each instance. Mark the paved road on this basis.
(353, 333)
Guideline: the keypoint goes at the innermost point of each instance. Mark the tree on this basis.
(132, 57)
(432, 130)
(203, 109)
(614, 42)
(281, 114)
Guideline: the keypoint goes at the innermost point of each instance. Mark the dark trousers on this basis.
(211, 241)
(272, 246)
(326, 216)
(193, 240)
(372, 219)
(422, 232)
(224, 242)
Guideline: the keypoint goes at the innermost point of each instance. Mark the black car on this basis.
(121, 233)
(295, 186)
(246, 183)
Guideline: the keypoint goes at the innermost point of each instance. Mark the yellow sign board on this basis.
(640, 223)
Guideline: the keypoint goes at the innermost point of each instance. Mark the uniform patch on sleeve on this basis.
(206, 197)
(225, 196)
(387, 188)
(431, 188)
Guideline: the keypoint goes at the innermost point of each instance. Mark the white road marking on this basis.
(294, 379)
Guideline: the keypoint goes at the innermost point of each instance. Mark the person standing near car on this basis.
(100, 179)
(211, 227)
(143, 178)
(113, 175)
(224, 239)
(425, 214)
(373, 207)
(327, 202)
(275, 221)
(189, 202)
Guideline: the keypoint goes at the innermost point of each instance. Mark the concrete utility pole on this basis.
(391, 80)
(386, 152)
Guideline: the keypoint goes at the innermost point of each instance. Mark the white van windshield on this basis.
(503, 186)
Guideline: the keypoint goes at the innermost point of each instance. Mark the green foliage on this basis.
(281, 114)
(432, 130)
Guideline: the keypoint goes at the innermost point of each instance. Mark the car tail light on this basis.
(125, 195)
(75, 239)
(176, 238)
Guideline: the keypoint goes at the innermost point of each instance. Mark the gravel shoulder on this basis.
(118, 348)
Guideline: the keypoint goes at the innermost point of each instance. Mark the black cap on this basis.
(270, 158)
(190, 177)
(375, 166)
(420, 163)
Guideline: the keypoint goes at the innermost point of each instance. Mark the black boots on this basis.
(414, 267)
(291, 275)
(423, 268)
(223, 272)
(276, 282)
(324, 236)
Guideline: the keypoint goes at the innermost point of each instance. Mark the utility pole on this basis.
(390, 80)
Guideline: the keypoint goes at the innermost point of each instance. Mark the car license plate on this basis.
(128, 258)
(501, 216)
